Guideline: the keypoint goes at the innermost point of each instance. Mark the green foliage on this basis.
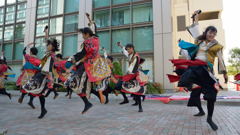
(10, 86)
(234, 61)
(154, 88)
(117, 70)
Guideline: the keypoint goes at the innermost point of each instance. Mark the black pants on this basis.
(199, 75)
(4, 92)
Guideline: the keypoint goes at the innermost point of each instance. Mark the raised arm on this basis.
(194, 28)
(124, 51)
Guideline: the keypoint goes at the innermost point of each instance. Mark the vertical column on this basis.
(30, 21)
(162, 25)
(85, 6)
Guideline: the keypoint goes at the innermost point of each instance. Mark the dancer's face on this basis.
(130, 50)
(109, 62)
(85, 36)
(211, 35)
(49, 47)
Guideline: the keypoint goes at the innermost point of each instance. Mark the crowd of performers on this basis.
(87, 72)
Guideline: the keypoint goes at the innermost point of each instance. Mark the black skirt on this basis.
(199, 75)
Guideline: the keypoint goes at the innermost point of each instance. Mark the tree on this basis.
(234, 61)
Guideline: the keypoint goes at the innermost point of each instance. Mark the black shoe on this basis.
(106, 102)
(87, 107)
(31, 105)
(124, 102)
(199, 114)
(140, 110)
(212, 124)
(9, 96)
(20, 100)
(66, 94)
(55, 96)
(43, 113)
(135, 104)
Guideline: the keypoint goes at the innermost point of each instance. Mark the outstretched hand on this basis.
(119, 44)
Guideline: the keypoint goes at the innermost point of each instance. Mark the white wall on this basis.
(162, 41)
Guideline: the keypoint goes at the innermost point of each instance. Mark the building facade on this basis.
(149, 24)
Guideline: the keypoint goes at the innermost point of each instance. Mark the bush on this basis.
(10, 86)
(154, 88)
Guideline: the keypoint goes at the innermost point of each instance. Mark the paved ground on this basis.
(64, 118)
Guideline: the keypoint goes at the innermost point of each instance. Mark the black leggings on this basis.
(210, 107)
(42, 102)
(4, 92)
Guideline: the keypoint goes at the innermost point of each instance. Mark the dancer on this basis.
(109, 88)
(44, 80)
(91, 68)
(142, 96)
(3, 68)
(60, 74)
(134, 81)
(200, 70)
(30, 68)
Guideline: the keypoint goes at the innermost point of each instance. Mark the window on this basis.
(71, 6)
(56, 25)
(21, 12)
(104, 37)
(102, 18)
(56, 7)
(135, 21)
(10, 15)
(1, 34)
(70, 23)
(19, 31)
(11, 1)
(7, 48)
(101, 3)
(2, 2)
(18, 48)
(209, 16)
(43, 8)
(8, 33)
(143, 39)
(1, 15)
(40, 27)
(120, 1)
(123, 36)
(121, 16)
(12, 29)
(181, 23)
(70, 45)
(41, 46)
(21, 0)
(142, 13)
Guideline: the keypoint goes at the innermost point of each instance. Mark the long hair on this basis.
(87, 30)
(54, 43)
(204, 35)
